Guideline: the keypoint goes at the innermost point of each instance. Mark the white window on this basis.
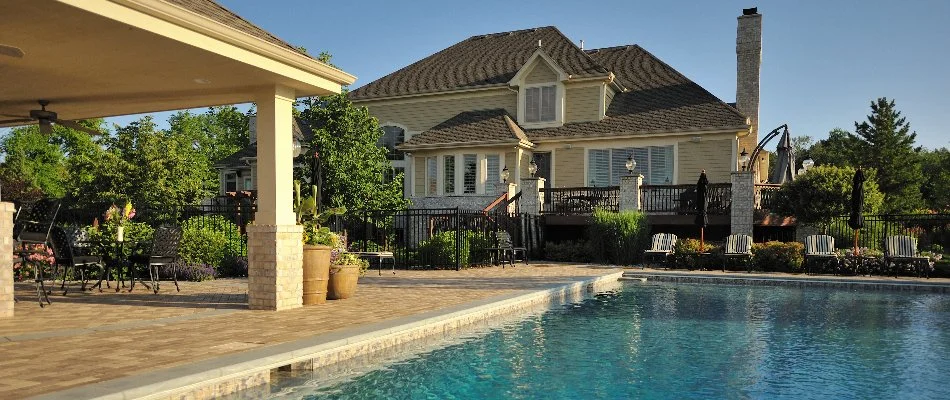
(431, 177)
(470, 170)
(493, 178)
(230, 182)
(392, 136)
(606, 166)
(248, 184)
(540, 104)
(448, 174)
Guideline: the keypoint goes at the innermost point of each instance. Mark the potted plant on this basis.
(318, 242)
(345, 271)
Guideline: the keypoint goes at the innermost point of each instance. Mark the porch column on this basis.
(531, 195)
(630, 192)
(742, 203)
(6, 260)
(275, 247)
(512, 189)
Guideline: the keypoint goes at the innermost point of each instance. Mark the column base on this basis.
(275, 267)
(6, 260)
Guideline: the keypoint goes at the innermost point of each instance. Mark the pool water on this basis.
(680, 341)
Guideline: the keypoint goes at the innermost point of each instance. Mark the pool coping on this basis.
(799, 281)
(229, 373)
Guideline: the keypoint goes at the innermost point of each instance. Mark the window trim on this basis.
(559, 101)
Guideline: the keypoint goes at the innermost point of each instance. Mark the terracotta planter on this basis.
(316, 273)
(342, 283)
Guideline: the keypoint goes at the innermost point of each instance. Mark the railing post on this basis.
(742, 203)
(532, 195)
(630, 192)
(458, 239)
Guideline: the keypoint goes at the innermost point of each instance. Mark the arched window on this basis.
(392, 137)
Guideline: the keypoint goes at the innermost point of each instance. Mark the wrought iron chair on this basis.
(506, 250)
(819, 248)
(71, 252)
(164, 253)
(738, 247)
(662, 246)
(31, 234)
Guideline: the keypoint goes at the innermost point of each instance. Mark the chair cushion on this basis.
(161, 260)
(83, 260)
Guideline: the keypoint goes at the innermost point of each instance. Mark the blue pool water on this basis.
(681, 341)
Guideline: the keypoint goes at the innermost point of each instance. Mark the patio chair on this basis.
(163, 253)
(738, 247)
(902, 251)
(72, 252)
(662, 246)
(505, 249)
(31, 236)
(819, 249)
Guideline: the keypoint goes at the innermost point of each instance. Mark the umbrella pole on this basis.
(702, 239)
(856, 233)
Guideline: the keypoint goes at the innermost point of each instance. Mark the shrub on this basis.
(191, 272)
(209, 239)
(574, 251)
(824, 193)
(232, 266)
(777, 256)
(686, 255)
(439, 250)
(618, 238)
(479, 243)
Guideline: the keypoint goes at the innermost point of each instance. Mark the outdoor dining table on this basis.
(116, 259)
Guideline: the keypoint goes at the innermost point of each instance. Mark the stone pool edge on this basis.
(795, 281)
(230, 373)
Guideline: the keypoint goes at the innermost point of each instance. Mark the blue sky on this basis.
(823, 62)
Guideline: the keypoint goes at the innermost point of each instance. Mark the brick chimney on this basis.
(748, 62)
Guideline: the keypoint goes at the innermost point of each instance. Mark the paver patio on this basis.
(89, 337)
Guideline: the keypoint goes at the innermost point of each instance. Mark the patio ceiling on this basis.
(98, 58)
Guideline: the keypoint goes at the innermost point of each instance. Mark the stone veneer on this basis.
(6, 260)
(630, 192)
(275, 267)
(464, 202)
(532, 195)
(743, 198)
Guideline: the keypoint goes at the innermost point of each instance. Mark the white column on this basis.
(6, 260)
(630, 192)
(742, 203)
(512, 189)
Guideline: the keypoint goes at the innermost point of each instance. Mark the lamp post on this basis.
(630, 164)
(532, 168)
(505, 174)
(807, 164)
(744, 159)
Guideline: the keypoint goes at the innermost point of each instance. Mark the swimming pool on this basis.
(674, 341)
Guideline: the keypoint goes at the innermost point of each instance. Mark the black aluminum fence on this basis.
(438, 238)
(681, 199)
(929, 229)
(580, 200)
(765, 194)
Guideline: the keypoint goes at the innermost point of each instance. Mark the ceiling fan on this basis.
(11, 51)
(46, 118)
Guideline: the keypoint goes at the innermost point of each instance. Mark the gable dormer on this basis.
(541, 92)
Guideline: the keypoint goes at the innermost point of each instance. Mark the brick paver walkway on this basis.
(89, 337)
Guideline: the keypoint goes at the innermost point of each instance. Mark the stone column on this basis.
(531, 195)
(742, 203)
(275, 247)
(630, 192)
(512, 189)
(6, 260)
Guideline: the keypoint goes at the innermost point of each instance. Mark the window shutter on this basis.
(469, 174)
(448, 175)
(532, 112)
(547, 103)
(491, 181)
(598, 165)
(431, 179)
(661, 164)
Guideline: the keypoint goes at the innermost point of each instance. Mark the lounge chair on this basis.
(819, 249)
(738, 247)
(662, 246)
(901, 251)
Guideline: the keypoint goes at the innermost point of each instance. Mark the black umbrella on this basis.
(702, 207)
(856, 221)
(785, 169)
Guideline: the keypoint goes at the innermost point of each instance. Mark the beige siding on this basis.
(582, 104)
(419, 116)
(541, 73)
(511, 161)
(419, 176)
(525, 160)
(712, 155)
(569, 167)
(608, 97)
(748, 143)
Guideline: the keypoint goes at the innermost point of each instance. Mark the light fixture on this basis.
(743, 159)
(808, 163)
(801, 171)
(202, 81)
(298, 148)
(532, 168)
(631, 164)
(505, 174)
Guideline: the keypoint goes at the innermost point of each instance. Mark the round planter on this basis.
(316, 274)
(342, 283)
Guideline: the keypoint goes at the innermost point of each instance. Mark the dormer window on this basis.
(540, 104)
(392, 136)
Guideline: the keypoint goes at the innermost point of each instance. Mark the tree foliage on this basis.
(841, 148)
(936, 188)
(889, 149)
(823, 193)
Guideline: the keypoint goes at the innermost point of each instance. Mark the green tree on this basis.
(822, 194)
(889, 149)
(217, 133)
(346, 138)
(936, 188)
(840, 148)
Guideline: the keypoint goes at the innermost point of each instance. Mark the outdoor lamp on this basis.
(801, 171)
(631, 164)
(532, 168)
(743, 158)
(505, 174)
(808, 163)
(298, 148)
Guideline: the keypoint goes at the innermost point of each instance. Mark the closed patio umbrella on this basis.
(856, 220)
(702, 208)
(785, 166)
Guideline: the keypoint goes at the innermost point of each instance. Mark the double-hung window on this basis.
(448, 175)
(606, 166)
(469, 173)
(540, 103)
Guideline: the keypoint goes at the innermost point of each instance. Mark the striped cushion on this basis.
(662, 243)
(819, 245)
(900, 246)
(739, 244)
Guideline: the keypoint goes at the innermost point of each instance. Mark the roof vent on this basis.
(582, 44)
(539, 42)
(750, 11)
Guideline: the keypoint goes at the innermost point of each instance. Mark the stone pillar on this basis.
(512, 189)
(6, 260)
(275, 247)
(630, 192)
(531, 195)
(742, 203)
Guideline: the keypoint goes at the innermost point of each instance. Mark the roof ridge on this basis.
(506, 33)
(591, 59)
(624, 46)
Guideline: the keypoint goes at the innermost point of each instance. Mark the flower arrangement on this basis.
(115, 215)
(312, 218)
(340, 256)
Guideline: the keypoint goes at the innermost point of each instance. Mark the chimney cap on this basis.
(750, 11)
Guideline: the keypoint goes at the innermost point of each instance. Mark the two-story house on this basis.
(455, 120)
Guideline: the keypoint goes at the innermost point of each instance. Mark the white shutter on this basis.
(532, 103)
(469, 173)
(431, 178)
(492, 175)
(661, 165)
(448, 175)
(547, 103)
(598, 167)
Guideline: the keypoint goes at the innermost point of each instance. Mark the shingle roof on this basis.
(217, 12)
(480, 61)
(485, 126)
(302, 133)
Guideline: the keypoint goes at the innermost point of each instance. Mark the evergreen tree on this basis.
(888, 147)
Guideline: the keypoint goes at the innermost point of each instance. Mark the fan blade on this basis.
(11, 51)
(46, 127)
(17, 121)
(75, 125)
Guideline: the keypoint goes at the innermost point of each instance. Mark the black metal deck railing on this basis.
(580, 200)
